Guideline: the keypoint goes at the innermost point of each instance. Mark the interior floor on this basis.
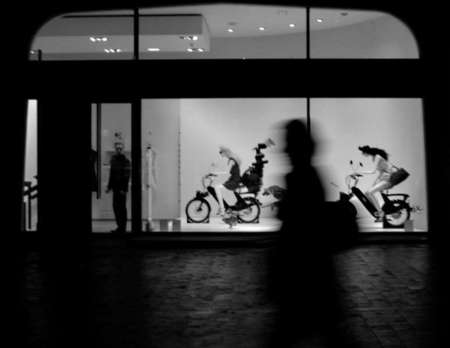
(217, 225)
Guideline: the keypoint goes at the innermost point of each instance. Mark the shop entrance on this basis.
(111, 163)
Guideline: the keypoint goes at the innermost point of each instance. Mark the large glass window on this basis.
(181, 143)
(224, 31)
(393, 125)
(181, 138)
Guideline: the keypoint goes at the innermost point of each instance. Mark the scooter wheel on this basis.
(400, 212)
(198, 210)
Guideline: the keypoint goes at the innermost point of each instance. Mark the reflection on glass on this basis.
(111, 167)
(224, 31)
(359, 34)
(345, 127)
(30, 201)
(107, 36)
(184, 140)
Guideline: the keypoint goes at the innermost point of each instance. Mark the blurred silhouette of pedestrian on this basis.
(304, 277)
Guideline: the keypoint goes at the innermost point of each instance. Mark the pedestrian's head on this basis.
(118, 146)
(299, 144)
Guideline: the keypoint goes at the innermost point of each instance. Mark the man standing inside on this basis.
(119, 177)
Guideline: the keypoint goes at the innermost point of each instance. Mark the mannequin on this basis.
(150, 181)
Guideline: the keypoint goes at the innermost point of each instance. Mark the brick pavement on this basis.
(137, 297)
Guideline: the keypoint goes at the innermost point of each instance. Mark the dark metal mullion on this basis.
(136, 33)
(308, 57)
(308, 32)
(99, 149)
(136, 165)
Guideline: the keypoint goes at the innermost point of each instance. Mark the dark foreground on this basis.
(127, 296)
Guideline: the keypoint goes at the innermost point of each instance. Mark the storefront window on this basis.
(181, 143)
(181, 138)
(394, 125)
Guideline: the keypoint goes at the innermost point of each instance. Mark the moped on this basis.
(396, 207)
(246, 210)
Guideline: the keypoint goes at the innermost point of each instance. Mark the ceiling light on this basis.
(319, 20)
(32, 52)
(153, 49)
(189, 37)
(98, 39)
(194, 49)
(113, 50)
(291, 25)
(230, 30)
(261, 28)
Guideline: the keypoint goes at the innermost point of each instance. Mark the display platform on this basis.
(217, 225)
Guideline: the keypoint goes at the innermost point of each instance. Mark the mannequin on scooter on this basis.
(233, 180)
(383, 180)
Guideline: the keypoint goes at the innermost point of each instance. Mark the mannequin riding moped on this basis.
(247, 208)
(395, 206)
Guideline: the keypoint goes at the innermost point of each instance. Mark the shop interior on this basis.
(181, 137)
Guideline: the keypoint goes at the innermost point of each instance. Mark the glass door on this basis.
(111, 167)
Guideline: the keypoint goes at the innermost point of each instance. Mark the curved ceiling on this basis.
(70, 33)
(246, 19)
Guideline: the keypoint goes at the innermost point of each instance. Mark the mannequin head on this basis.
(227, 153)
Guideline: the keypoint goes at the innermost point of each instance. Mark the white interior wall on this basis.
(395, 125)
(31, 154)
(239, 124)
(162, 118)
(384, 37)
(31, 142)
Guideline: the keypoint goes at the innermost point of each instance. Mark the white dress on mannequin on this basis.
(150, 178)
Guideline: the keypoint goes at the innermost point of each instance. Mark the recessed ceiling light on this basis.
(195, 49)
(319, 20)
(261, 28)
(292, 25)
(189, 37)
(230, 30)
(113, 50)
(153, 49)
(98, 39)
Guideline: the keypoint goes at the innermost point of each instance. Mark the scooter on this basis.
(396, 207)
(246, 210)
